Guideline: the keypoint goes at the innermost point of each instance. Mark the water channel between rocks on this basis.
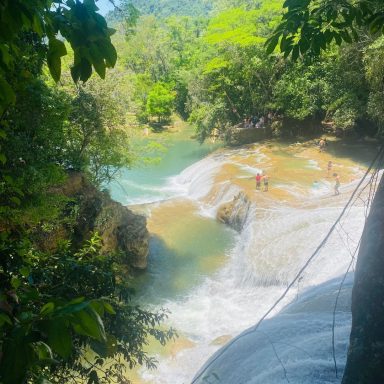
(217, 282)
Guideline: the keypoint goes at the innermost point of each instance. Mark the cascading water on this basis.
(294, 344)
(271, 249)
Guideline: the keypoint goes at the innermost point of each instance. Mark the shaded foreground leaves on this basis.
(47, 335)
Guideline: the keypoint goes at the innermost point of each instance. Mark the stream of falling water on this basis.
(217, 283)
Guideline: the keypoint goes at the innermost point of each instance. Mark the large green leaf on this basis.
(97, 60)
(85, 70)
(56, 49)
(47, 308)
(42, 350)
(272, 43)
(109, 53)
(88, 323)
(105, 349)
(59, 337)
(74, 306)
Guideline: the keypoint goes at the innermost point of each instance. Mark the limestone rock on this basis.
(239, 136)
(121, 230)
(235, 212)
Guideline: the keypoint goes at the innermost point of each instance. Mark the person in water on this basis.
(258, 181)
(329, 168)
(337, 183)
(321, 145)
(265, 180)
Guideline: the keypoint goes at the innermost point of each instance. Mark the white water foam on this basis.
(295, 346)
(225, 193)
(197, 179)
(194, 183)
(272, 248)
(313, 164)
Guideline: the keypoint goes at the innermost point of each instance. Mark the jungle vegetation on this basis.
(213, 65)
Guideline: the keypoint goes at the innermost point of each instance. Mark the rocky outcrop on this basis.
(239, 136)
(235, 212)
(121, 230)
(366, 350)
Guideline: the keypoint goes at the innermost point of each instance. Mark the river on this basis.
(217, 283)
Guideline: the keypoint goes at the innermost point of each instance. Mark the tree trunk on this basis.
(365, 362)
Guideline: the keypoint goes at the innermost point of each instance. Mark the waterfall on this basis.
(294, 344)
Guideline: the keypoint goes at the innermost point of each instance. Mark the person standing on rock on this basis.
(265, 180)
(258, 181)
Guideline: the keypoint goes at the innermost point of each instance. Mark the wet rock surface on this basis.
(121, 230)
(235, 212)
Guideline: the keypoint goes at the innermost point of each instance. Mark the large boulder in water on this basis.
(235, 212)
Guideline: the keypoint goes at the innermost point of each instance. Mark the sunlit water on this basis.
(217, 284)
(154, 182)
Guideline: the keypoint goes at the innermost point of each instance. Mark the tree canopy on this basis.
(64, 309)
(312, 25)
(47, 22)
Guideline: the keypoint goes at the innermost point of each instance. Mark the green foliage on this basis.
(243, 27)
(34, 149)
(95, 139)
(127, 14)
(301, 92)
(166, 8)
(63, 313)
(207, 118)
(160, 101)
(52, 316)
(162, 51)
(48, 21)
(310, 26)
(237, 76)
(374, 68)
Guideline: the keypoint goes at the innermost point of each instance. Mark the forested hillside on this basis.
(215, 68)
